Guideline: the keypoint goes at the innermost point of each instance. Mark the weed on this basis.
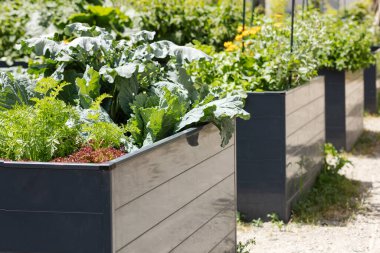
(334, 198)
(367, 143)
(244, 247)
(275, 220)
(257, 223)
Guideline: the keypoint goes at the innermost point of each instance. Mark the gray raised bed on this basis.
(279, 151)
(177, 195)
(344, 107)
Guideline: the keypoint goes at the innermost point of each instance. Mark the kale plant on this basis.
(148, 82)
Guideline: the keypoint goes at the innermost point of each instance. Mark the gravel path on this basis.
(361, 234)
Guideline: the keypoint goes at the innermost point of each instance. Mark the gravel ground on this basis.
(360, 234)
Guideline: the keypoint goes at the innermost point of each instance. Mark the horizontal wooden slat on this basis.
(354, 107)
(145, 212)
(143, 173)
(212, 212)
(299, 97)
(211, 234)
(228, 245)
(303, 116)
(303, 135)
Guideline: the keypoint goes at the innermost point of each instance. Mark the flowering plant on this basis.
(334, 161)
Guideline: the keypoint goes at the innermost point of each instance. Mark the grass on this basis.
(333, 200)
(367, 143)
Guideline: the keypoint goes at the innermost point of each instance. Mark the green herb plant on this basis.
(41, 132)
(334, 198)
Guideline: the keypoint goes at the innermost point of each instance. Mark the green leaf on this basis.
(89, 87)
(15, 90)
(221, 112)
(162, 49)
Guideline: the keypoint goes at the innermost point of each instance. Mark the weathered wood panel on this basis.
(181, 197)
(354, 107)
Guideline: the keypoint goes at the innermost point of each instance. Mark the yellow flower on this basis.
(232, 48)
(227, 44)
(254, 30)
(66, 42)
(278, 24)
(240, 29)
(239, 37)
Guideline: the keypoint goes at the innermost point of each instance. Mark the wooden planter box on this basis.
(177, 195)
(344, 107)
(279, 151)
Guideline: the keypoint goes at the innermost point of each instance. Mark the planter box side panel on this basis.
(335, 108)
(305, 127)
(54, 210)
(260, 153)
(169, 198)
(370, 89)
(225, 245)
(21, 64)
(354, 107)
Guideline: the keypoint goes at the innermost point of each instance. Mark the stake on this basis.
(242, 42)
(291, 39)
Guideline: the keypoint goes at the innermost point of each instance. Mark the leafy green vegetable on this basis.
(15, 90)
(143, 84)
(21, 19)
(107, 17)
(182, 23)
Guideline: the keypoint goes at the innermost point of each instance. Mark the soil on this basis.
(360, 234)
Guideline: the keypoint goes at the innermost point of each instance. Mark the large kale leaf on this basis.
(150, 88)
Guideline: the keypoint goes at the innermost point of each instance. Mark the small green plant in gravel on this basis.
(275, 220)
(367, 144)
(244, 247)
(334, 198)
(257, 223)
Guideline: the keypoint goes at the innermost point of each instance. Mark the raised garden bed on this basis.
(177, 194)
(279, 151)
(344, 107)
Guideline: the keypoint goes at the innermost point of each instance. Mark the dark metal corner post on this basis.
(260, 161)
(335, 90)
(370, 89)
